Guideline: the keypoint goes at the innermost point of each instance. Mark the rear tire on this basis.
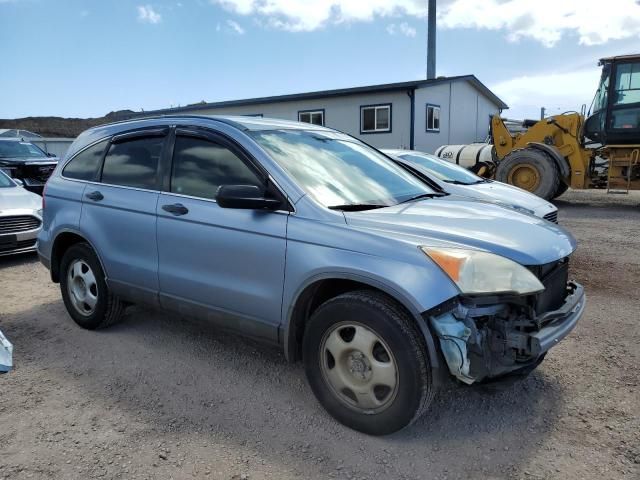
(532, 170)
(366, 362)
(84, 290)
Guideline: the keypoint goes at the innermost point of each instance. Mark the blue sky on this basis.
(86, 58)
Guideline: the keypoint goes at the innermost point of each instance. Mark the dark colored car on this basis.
(26, 162)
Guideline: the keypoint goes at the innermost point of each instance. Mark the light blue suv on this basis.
(305, 237)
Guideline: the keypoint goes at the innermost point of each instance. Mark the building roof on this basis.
(385, 87)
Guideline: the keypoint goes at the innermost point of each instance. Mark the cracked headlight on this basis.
(477, 272)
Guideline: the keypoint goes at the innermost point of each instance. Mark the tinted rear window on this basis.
(86, 164)
(133, 163)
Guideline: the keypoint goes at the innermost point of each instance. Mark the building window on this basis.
(375, 118)
(315, 117)
(433, 118)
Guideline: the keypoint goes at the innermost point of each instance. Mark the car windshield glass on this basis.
(441, 169)
(339, 171)
(20, 150)
(5, 182)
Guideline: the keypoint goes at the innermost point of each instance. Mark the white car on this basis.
(459, 181)
(20, 217)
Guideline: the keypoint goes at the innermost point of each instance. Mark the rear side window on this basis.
(86, 164)
(133, 163)
(201, 166)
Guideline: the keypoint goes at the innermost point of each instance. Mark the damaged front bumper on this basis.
(486, 338)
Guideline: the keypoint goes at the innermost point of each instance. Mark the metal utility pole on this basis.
(431, 40)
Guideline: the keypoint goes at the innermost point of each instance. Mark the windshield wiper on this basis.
(459, 182)
(424, 195)
(356, 207)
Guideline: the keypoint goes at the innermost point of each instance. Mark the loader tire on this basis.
(563, 187)
(532, 170)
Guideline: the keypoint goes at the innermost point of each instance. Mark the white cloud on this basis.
(235, 27)
(545, 21)
(404, 28)
(308, 15)
(557, 92)
(593, 21)
(147, 14)
(230, 26)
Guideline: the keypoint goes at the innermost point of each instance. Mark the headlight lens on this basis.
(477, 272)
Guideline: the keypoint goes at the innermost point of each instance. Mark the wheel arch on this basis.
(323, 287)
(62, 242)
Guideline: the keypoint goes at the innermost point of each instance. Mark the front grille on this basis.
(18, 223)
(18, 245)
(554, 276)
(552, 217)
(38, 172)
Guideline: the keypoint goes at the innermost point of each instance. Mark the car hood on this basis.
(29, 161)
(14, 198)
(457, 222)
(508, 194)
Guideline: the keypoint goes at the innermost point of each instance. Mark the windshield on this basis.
(600, 99)
(5, 182)
(441, 169)
(20, 150)
(337, 170)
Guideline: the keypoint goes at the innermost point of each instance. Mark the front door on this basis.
(223, 264)
(624, 117)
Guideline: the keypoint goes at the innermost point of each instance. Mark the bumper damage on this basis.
(483, 339)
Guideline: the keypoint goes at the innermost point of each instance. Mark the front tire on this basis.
(366, 362)
(532, 170)
(84, 290)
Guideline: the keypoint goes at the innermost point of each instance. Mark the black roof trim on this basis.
(620, 58)
(336, 93)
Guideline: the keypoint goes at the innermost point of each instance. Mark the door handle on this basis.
(176, 209)
(95, 196)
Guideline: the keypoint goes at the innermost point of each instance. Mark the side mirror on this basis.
(248, 197)
(50, 155)
(19, 182)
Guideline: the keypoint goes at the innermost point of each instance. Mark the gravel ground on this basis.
(157, 396)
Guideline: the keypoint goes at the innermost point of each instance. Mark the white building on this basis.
(422, 114)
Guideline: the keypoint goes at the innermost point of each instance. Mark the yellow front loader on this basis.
(547, 158)
(567, 150)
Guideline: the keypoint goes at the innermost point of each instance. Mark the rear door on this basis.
(119, 213)
(226, 265)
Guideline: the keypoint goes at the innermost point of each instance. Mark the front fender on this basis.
(410, 278)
